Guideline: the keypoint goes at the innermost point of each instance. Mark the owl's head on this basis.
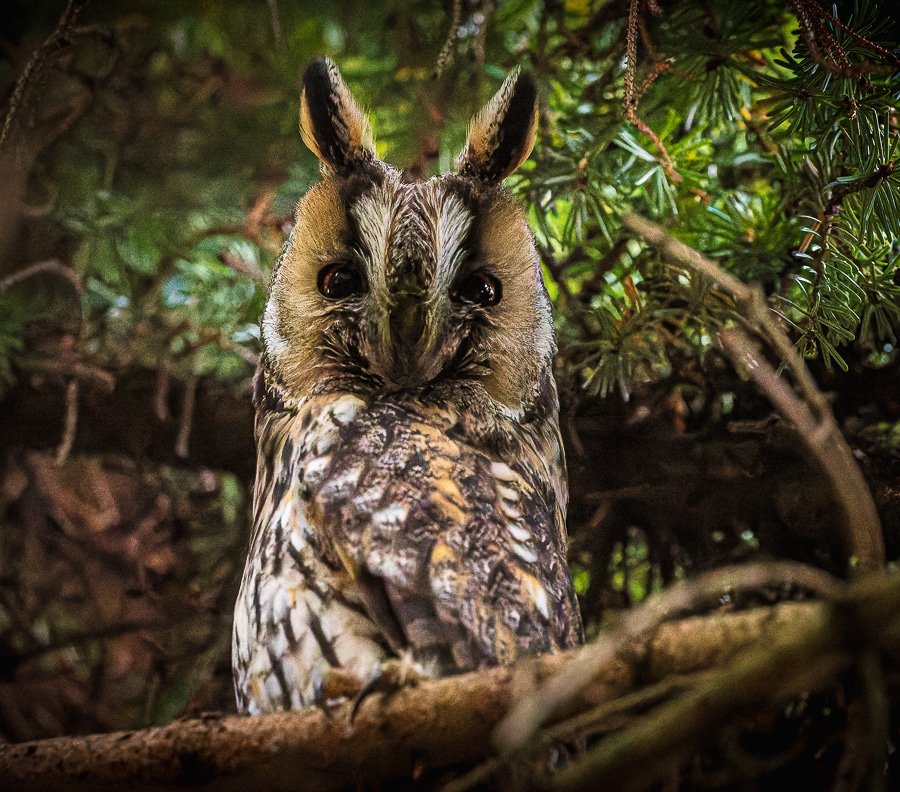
(424, 290)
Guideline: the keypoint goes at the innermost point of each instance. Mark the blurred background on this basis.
(149, 165)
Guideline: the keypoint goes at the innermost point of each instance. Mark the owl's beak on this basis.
(408, 353)
(407, 321)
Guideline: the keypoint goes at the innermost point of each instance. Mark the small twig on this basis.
(36, 63)
(793, 659)
(257, 221)
(242, 266)
(642, 755)
(161, 394)
(71, 422)
(276, 22)
(863, 538)
(67, 368)
(50, 265)
(610, 714)
(186, 419)
(605, 716)
(748, 298)
(527, 716)
(631, 95)
(445, 56)
(812, 416)
(555, 268)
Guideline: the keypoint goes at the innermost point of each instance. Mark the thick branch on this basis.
(449, 722)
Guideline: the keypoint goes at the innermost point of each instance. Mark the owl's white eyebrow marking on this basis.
(426, 221)
(375, 214)
(450, 220)
(277, 345)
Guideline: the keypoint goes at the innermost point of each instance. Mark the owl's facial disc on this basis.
(410, 289)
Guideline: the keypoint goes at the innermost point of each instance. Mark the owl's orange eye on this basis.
(477, 288)
(340, 280)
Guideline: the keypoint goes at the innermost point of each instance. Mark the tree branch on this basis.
(762, 656)
(811, 415)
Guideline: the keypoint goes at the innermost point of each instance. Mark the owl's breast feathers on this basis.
(385, 513)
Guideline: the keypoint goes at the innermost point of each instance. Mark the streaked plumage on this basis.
(411, 490)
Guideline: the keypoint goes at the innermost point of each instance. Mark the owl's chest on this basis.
(392, 481)
(379, 526)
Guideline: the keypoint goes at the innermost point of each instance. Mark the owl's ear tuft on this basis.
(502, 135)
(331, 123)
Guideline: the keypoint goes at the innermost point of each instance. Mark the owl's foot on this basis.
(391, 676)
(333, 688)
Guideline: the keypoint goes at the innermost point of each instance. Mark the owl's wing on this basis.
(503, 574)
(462, 553)
(297, 625)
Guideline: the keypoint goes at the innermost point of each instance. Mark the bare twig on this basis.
(186, 419)
(259, 227)
(161, 393)
(71, 422)
(71, 368)
(277, 32)
(812, 416)
(445, 56)
(242, 266)
(38, 61)
(50, 265)
(863, 539)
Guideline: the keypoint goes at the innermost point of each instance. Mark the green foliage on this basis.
(784, 175)
(173, 188)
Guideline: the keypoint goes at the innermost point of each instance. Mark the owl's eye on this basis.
(477, 288)
(339, 280)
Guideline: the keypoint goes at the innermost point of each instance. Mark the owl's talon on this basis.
(391, 676)
(333, 688)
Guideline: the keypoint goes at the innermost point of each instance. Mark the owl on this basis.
(411, 487)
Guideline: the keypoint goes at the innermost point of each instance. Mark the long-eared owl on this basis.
(410, 486)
